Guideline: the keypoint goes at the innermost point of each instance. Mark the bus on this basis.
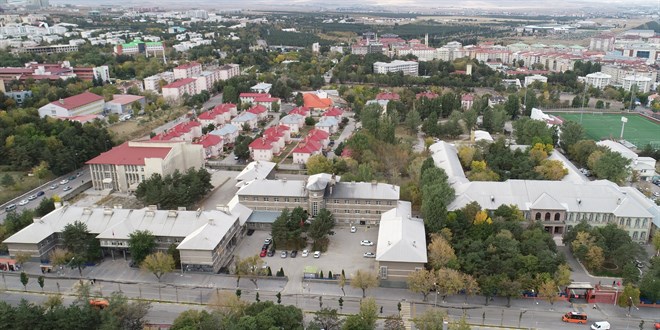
(575, 317)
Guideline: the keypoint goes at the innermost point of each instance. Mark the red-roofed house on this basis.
(187, 70)
(306, 149)
(466, 101)
(187, 131)
(123, 167)
(388, 96)
(259, 110)
(427, 94)
(267, 101)
(319, 136)
(217, 116)
(314, 102)
(279, 129)
(264, 148)
(303, 111)
(334, 112)
(176, 90)
(279, 138)
(212, 145)
(82, 104)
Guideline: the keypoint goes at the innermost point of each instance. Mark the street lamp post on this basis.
(435, 286)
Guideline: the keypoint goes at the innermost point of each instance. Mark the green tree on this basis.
(571, 133)
(629, 297)
(512, 106)
(656, 242)
(531, 101)
(431, 319)
(158, 263)
(509, 289)
(46, 205)
(413, 120)
(326, 318)
(7, 180)
(252, 268)
(318, 164)
(242, 146)
(40, 281)
(122, 314)
(175, 190)
(195, 319)
(320, 228)
(24, 280)
(140, 244)
(612, 166)
(82, 246)
(548, 291)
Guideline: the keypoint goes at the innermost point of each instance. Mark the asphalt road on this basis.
(58, 186)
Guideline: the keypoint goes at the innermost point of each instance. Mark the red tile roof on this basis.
(127, 155)
(180, 82)
(77, 101)
(333, 112)
(124, 99)
(318, 135)
(257, 109)
(303, 111)
(276, 129)
(263, 143)
(388, 96)
(308, 147)
(209, 140)
(467, 97)
(266, 99)
(217, 110)
(428, 95)
(312, 100)
(253, 95)
(176, 131)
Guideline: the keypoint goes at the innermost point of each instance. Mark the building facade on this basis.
(409, 68)
(78, 105)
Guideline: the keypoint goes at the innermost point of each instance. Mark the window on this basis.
(276, 199)
(642, 235)
(336, 201)
(628, 222)
(345, 201)
(538, 216)
(265, 199)
(383, 272)
(378, 202)
(636, 223)
(296, 200)
(557, 216)
(635, 234)
(347, 211)
(547, 216)
(357, 202)
(367, 202)
(389, 202)
(357, 211)
(256, 198)
(367, 212)
(315, 208)
(286, 199)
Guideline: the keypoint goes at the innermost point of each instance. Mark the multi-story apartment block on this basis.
(410, 68)
(139, 47)
(228, 71)
(78, 105)
(152, 83)
(350, 202)
(51, 49)
(620, 71)
(599, 79)
(187, 70)
(175, 91)
(643, 83)
(603, 42)
(124, 167)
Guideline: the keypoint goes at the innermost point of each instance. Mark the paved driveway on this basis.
(344, 253)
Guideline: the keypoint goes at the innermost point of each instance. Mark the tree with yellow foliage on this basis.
(466, 155)
(551, 169)
(481, 172)
(482, 218)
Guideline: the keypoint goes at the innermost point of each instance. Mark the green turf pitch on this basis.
(638, 130)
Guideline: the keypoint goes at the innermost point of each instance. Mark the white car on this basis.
(366, 243)
(317, 254)
(304, 253)
(23, 202)
(65, 181)
(54, 186)
(267, 241)
(369, 255)
(353, 229)
(602, 325)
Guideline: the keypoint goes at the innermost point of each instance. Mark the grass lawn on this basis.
(638, 130)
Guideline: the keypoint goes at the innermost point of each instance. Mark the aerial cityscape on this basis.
(384, 164)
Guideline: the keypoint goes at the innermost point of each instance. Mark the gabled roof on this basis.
(291, 119)
(256, 170)
(125, 99)
(318, 134)
(401, 238)
(253, 95)
(388, 96)
(333, 112)
(127, 155)
(276, 129)
(245, 116)
(312, 100)
(262, 143)
(308, 147)
(467, 97)
(209, 140)
(303, 111)
(180, 82)
(225, 130)
(547, 202)
(327, 122)
(77, 101)
(257, 109)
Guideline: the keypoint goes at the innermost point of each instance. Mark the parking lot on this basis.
(344, 252)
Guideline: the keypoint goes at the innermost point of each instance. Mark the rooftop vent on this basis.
(492, 198)
(152, 207)
(87, 210)
(107, 211)
(172, 214)
(374, 182)
(117, 206)
(181, 208)
(579, 201)
(211, 222)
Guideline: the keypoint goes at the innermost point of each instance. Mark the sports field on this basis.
(638, 130)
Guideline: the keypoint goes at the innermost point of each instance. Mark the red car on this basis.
(657, 325)
(263, 253)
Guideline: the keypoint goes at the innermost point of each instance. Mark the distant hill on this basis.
(653, 25)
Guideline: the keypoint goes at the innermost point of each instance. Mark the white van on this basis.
(10, 207)
(601, 325)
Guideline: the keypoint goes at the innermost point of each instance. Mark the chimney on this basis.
(492, 198)
(374, 182)
(211, 222)
(61, 101)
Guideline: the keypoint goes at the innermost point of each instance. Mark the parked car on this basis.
(369, 255)
(353, 229)
(67, 188)
(268, 240)
(283, 254)
(40, 193)
(366, 243)
(265, 247)
(23, 202)
(250, 232)
(73, 177)
(263, 253)
(65, 181)
(10, 207)
(304, 253)
(657, 325)
(294, 253)
(32, 197)
(317, 254)
(54, 186)
(271, 252)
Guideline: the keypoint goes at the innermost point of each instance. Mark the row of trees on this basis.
(288, 229)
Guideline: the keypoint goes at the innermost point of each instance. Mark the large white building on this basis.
(152, 83)
(187, 70)
(78, 105)
(175, 91)
(644, 166)
(599, 79)
(558, 205)
(228, 71)
(124, 167)
(643, 83)
(410, 68)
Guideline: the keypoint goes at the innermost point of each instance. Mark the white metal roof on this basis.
(281, 187)
(365, 190)
(256, 170)
(401, 238)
